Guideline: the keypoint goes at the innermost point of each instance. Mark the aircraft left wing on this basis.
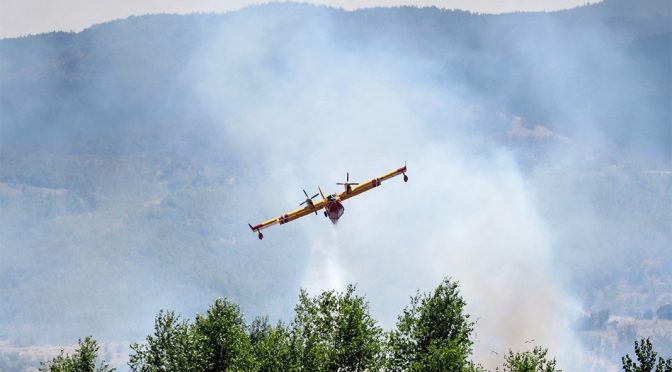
(288, 217)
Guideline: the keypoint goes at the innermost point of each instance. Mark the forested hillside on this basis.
(134, 153)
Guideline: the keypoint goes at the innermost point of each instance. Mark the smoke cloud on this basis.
(468, 211)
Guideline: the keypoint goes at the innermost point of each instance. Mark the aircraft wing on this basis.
(368, 185)
(291, 216)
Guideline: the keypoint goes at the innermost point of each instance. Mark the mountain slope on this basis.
(133, 154)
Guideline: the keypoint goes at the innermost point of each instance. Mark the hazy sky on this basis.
(24, 17)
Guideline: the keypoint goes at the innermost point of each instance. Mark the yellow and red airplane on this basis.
(332, 204)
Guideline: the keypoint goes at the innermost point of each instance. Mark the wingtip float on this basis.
(332, 204)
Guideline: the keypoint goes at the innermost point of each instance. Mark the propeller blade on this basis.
(313, 197)
(303, 203)
(347, 177)
(305, 193)
(341, 183)
(354, 183)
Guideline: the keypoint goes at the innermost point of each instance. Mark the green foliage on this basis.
(171, 348)
(222, 338)
(333, 331)
(434, 333)
(530, 361)
(272, 347)
(83, 359)
(336, 331)
(646, 357)
(213, 342)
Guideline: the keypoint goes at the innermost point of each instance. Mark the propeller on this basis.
(347, 182)
(309, 199)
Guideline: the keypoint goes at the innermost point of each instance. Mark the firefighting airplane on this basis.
(332, 204)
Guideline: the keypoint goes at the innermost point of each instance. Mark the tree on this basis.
(222, 338)
(83, 359)
(272, 347)
(529, 361)
(335, 331)
(171, 348)
(434, 333)
(215, 341)
(646, 357)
